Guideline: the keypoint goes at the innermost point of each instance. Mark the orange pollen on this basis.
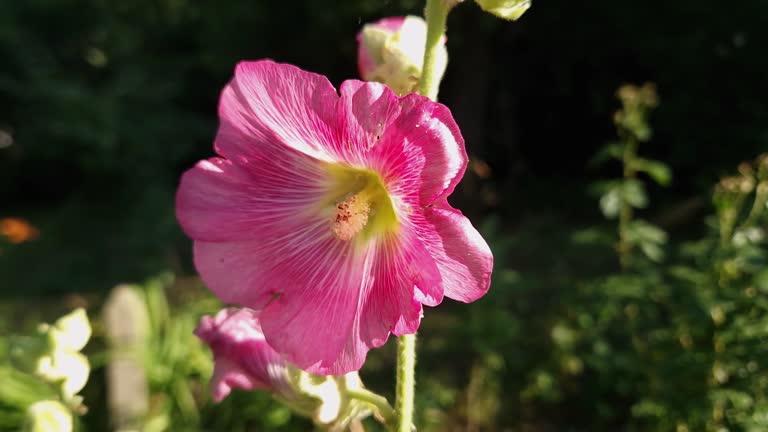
(350, 217)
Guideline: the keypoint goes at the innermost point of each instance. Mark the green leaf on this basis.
(610, 203)
(652, 251)
(20, 389)
(658, 171)
(649, 238)
(633, 193)
(643, 230)
(761, 280)
(612, 150)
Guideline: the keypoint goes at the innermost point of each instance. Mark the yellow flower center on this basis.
(351, 216)
(361, 207)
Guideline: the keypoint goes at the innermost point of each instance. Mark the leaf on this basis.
(658, 171)
(644, 230)
(633, 193)
(649, 238)
(761, 280)
(652, 251)
(610, 203)
(20, 389)
(612, 150)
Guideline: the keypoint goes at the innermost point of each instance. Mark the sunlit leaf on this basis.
(658, 171)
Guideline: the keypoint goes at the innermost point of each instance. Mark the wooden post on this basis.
(127, 328)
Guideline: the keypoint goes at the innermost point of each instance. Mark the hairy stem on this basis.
(406, 382)
(437, 14)
(378, 401)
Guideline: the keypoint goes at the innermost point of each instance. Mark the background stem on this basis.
(625, 212)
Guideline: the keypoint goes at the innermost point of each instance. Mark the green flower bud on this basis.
(507, 9)
(391, 51)
(48, 416)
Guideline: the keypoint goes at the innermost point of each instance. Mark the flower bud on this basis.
(48, 416)
(244, 360)
(69, 368)
(391, 51)
(507, 9)
(70, 332)
(60, 362)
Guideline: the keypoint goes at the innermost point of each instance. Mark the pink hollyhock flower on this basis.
(328, 213)
(391, 51)
(243, 360)
(242, 357)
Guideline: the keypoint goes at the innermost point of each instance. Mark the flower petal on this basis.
(251, 273)
(228, 375)
(364, 112)
(422, 152)
(242, 357)
(405, 277)
(311, 320)
(460, 252)
(354, 297)
(219, 200)
(272, 105)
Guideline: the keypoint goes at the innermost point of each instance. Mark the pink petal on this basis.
(270, 106)
(421, 152)
(321, 289)
(251, 273)
(392, 24)
(364, 112)
(242, 357)
(347, 299)
(228, 375)
(460, 252)
(219, 200)
(405, 277)
(365, 61)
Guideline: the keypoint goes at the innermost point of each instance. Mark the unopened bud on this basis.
(70, 332)
(507, 9)
(391, 51)
(69, 368)
(48, 416)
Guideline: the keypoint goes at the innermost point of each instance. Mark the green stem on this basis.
(380, 402)
(406, 382)
(625, 212)
(761, 197)
(437, 14)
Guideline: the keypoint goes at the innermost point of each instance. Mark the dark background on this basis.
(109, 102)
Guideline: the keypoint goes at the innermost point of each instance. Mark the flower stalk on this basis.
(406, 382)
(626, 211)
(379, 402)
(437, 15)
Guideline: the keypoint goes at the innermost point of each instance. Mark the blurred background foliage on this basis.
(104, 104)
